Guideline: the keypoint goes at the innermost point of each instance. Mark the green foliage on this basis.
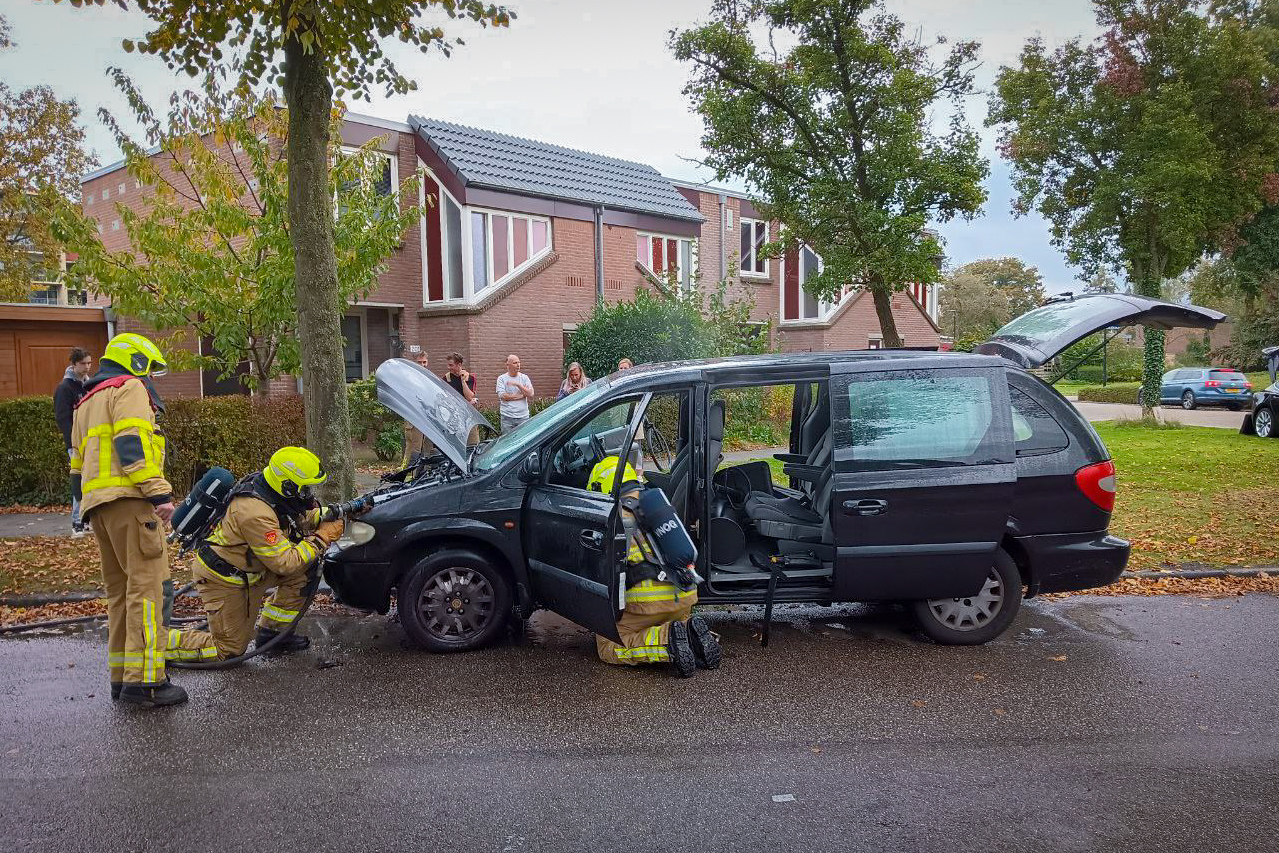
(835, 134)
(756, 417)
(236, 432)
(35, 470)
(370, 418)
(1196, 354)
(213, 251)
(653, 327)
(1021, 286)
(1123, 392)
(537, 404)
(1143, 148)
(42, 157)
(239, 433)
(1123, 361)
(972, 308)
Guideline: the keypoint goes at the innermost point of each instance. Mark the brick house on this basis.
(518, 240)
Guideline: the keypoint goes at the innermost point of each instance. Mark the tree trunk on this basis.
(884, 310)
(328, 421)
(1153, 350)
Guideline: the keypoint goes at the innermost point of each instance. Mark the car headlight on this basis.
(356, 533)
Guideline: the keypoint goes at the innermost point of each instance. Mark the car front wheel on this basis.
(978, 618)
(1188, 400)
(454, 601)
(1263, 422)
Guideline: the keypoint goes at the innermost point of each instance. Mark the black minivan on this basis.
(949, 481)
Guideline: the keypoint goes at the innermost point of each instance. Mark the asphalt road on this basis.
(1094, 724)
(1215, 417)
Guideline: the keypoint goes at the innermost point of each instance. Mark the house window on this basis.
(115, 225)
(385, 175)
(106, 193)
(354, 355)
(121, 189)
(452, 225)
(754, 234)
(89, 199)
(502, 244)
(874, 342)
(798, 305)
(667, 256)
(810, 265)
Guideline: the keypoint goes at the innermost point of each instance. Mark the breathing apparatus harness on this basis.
(666, 550)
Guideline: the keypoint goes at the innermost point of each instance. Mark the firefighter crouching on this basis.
(657, 625)
(117, 471)
(269, 538)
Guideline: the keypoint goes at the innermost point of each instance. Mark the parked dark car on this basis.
(948, 480)
(1191, 387)
(1263, 417)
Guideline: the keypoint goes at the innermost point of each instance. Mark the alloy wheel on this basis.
(1188, 400)
(456, 604)
(970, 612)
(1263, 422)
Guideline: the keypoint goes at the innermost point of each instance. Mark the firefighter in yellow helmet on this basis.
(269, 538)
(657, 625)
(117, 471)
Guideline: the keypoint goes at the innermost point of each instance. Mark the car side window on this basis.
(920, 419)
(1035, 432)
(590, 442)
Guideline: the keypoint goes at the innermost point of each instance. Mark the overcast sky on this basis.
(583, 73)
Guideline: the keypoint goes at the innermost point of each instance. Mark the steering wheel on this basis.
(597, 448)
(741, 494)
(566, 459)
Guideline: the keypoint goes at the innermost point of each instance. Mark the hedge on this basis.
(1122, 392)
(238, 433)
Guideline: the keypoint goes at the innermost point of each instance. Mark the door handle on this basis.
(866, 507)
(592, 539)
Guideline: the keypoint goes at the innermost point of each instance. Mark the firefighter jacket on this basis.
(116, 450)
(250, 539)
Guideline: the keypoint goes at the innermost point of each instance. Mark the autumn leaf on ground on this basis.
(1058, 658)
(917, 703)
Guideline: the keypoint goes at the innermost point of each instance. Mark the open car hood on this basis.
(1042, 334)
(431, 405)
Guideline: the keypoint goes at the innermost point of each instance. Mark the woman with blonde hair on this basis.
(575, 380)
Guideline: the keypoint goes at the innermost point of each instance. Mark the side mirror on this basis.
(531, 469)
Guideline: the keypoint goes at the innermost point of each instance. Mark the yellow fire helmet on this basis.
(603, 473)
(136, 354)
(292, 471)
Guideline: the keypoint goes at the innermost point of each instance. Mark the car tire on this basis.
(964, 621)
(454, 576)
(1263, 423)
(1188, 400)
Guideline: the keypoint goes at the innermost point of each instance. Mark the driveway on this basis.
(1135, 724)
(1199, 417)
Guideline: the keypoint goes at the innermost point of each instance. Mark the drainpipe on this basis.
(599, 254)
(723, 237)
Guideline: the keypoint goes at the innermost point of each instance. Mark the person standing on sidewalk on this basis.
(117, 471)
(514, 390)
(65, 397)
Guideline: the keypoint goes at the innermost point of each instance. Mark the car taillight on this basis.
(1097, 482)
(1247, 386)
(1212, 383)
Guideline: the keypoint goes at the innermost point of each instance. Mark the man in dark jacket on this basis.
(65, 397)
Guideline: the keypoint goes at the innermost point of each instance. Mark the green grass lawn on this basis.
(1194, 495)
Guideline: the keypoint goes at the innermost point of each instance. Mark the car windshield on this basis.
(1226, 375)
(532, 431)
(1049, 321)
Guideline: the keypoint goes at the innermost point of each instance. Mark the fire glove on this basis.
(330, 531)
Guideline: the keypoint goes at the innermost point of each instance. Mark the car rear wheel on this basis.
(1263, 421)
(978, 618)
(454, 601)
(1188, 400)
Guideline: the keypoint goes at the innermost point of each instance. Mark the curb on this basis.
(1198, 574)
(41, 599)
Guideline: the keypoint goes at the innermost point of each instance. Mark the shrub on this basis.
(35, 470)
(1121, 392)
(370, 418)
(652, 328)
(494, 416)
(756, 417)
(238, 433)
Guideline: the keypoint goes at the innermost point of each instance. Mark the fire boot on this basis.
(680, 651)
(291, 643)
(153, 695)
(704, 643)
(116, 687)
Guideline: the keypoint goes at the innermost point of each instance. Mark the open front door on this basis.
(924, 470)
(573, 537)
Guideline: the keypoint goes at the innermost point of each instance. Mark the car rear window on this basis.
(1226, 375)
(919, 419)
(1035, 432)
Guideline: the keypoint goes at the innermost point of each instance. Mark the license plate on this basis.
(1232, 390)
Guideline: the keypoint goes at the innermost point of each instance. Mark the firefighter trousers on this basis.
(233, 609)
(135, 565)
(645, 624)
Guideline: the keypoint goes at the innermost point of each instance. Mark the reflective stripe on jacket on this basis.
(250, 539)
(116, 450)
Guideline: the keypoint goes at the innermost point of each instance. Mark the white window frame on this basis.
(824, 308)
(488, 214)
(106, 193)
(686, 282)
(444, 243)
(121, 188)
(744, 221)
(873, 340)
(395, 170)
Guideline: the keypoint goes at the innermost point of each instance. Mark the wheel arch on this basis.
(1014, 549)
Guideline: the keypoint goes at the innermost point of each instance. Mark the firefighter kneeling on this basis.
(270, 536)
(657, 625)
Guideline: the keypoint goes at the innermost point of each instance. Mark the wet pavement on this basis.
(1147, 724)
